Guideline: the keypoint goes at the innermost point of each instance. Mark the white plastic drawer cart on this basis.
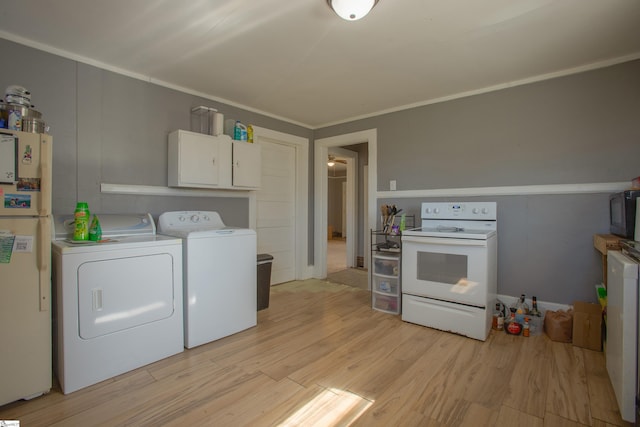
(385, 275)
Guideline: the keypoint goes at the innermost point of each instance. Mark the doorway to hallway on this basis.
(366, 219)
(337, 271)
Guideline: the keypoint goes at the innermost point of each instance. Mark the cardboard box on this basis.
(587, 325)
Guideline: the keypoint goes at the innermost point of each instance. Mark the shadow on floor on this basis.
(354, 277)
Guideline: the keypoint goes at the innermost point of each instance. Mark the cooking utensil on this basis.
(384, 210)
(31, 124)
(23, 110)
(15, 94)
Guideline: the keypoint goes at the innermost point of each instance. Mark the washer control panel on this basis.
(181, 220)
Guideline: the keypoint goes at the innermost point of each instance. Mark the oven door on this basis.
(455, 270)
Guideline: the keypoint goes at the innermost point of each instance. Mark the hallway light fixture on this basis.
(352, 10)
(331, 163)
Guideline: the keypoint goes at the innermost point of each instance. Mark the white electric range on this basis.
(449, 268)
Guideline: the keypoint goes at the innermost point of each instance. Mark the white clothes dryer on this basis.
(118, 302)
(220, 275)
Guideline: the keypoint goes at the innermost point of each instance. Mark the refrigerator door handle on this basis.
(45, 175)
(44, 259)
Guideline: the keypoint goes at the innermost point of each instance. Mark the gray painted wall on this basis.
(582, 128)
(334, 203)
(109, 128)
(577, 129)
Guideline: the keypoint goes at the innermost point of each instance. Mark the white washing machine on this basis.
(118, 302)
(220, 267)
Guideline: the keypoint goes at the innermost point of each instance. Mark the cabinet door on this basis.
(194, 160)
(199, 160)
(247, 162)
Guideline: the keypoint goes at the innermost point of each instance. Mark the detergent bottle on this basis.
(239, 131)
(81, 220)
(249, 133)
(95, 231)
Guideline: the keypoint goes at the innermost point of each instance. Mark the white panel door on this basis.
(276, 209)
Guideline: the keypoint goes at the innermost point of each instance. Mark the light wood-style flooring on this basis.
(321, 357)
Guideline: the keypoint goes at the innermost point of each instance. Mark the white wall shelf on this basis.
(153, 190)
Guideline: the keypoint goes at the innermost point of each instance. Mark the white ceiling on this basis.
(296, 60)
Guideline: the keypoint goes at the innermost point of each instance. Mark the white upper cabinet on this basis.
(203, 161)
(246, 165)
(196, 160)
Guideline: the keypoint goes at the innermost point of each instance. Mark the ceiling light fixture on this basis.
(331, 163)
(352, 10)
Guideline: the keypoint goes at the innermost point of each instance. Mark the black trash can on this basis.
(264, 280)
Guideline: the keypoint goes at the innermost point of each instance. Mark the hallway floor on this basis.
(337, 271)
(336, 255)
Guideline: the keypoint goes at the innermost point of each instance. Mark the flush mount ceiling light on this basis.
(352, 10)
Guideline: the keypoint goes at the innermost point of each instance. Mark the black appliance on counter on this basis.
(622, 213)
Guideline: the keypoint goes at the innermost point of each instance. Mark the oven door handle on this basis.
(424, 240)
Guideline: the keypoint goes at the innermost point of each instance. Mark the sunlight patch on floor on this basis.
(332, 407)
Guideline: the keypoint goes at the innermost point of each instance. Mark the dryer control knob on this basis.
(428, 210)
(195, 218)
(436, 211)
(476, 210)
(485, 210)
(181, 218)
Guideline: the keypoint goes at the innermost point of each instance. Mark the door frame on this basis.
(301, 146)
(321, 151)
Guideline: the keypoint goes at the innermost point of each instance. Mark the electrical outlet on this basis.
(392, 185)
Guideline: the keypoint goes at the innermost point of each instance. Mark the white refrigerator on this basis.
(25, 265)
(622, 335)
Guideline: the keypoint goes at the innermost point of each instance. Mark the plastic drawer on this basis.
(386, 285)
(388, 266)
(387, 303)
